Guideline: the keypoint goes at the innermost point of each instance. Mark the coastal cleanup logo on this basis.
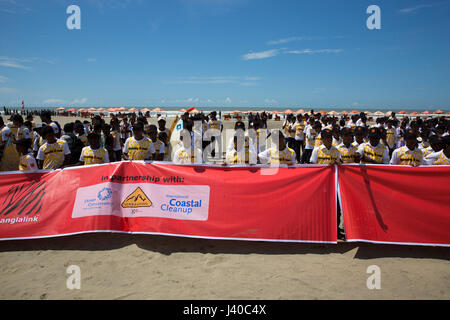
(137, 199)
(22, 203)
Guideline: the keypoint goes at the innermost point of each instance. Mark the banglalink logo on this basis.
(23, 199)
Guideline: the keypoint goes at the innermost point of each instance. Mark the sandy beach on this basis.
(122, 266)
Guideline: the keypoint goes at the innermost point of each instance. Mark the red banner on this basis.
(245, 203)
(396, 204)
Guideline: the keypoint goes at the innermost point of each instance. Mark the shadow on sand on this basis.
(168, 245)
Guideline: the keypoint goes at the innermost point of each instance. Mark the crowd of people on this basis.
(303, 139)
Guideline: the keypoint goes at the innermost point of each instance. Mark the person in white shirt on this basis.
(46, 117)
(373, 151)
(312, 131)
(408, 155)
(280, 153)
(243, 151)
(187, 153)
(441, 158)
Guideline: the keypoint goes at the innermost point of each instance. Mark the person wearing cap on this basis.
(336, 131)
(291, 132)
(347, 148)
(239, 127)
(46, 117)
(30, 119)
(125, 130)
(93, 153)
(299, 136)
(243, 152)
(352, 122)
(108, 141)
(424, 138)
(115, 132)
(310, 137)
(27, 161)
(436, 145)
(54, 153)
(158, 144)
(38, 140)
(214, 132)
(318, 128)
(362, 121)
(162, 127)
(441, 158)
(326, 153)
(138, 147)
(391, 135)
(360, 136)
(187, 153)
(17, 129)
(410, 154)
(373, 151)
(80, 133)
(280, 153)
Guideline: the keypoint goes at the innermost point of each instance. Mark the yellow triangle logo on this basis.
(137, 199)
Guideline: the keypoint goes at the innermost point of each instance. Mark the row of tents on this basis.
(195, 110)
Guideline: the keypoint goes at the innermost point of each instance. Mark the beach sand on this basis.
(122, 266)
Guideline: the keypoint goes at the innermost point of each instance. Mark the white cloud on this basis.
(245, 81)
(252, 78)
(3, 79)
(261, 55)
(7, 90)
(21, 63)
(53, 101)
(287, 40)
(422, 6)
(79, 101)
(275, 52)
(12, 63)
(270, 101)
(61, 101)
(310, 51)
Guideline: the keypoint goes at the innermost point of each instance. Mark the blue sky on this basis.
(226, 53)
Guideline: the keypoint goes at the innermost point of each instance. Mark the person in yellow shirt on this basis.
(214, 133)
(373, 151)
(336, 131)
(311, 132)
(391, 136)
(79, 130)
(326, 153)
(93, 153)
(441, 158)
(360, 134)
(280, 153)
(299, 136)
(54, 153)
(408, 155)
(436, 145)
(243, 152)
(138, 147)
(347, 149)
(27, 161)
(158, 144)
(187, 153)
